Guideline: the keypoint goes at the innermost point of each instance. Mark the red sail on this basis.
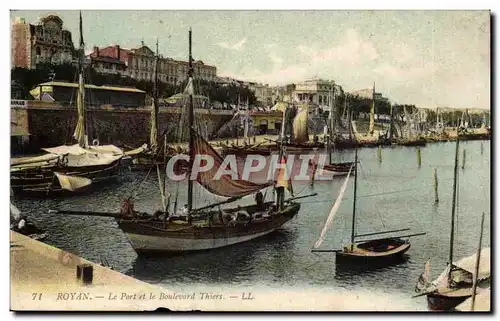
(224, 186)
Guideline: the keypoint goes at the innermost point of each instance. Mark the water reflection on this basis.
(227, 264)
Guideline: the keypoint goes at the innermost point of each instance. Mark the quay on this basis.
(43, 278)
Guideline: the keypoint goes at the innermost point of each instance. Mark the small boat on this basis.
(384, 250)
(441, 296)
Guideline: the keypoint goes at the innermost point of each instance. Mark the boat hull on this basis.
(149, 244)
(43, 179)
(395, 250)
(442, 302)
(152, 238)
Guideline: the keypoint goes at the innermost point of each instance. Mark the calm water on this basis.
(393, 194)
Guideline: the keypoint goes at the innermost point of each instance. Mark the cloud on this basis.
(313, 60)
(353, 50)
(236, 47)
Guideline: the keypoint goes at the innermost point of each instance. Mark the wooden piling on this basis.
(481, 148)
(463, 160)
(419, 156)
(87, 273)
(436, 196)
(379, 154)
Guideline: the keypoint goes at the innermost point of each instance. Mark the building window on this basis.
(320, 99)
(38, 51)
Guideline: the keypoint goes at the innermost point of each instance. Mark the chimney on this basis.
(117, 52)
(96, 51)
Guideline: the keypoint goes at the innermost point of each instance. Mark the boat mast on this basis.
(453, 207)
(247, 140)
(391, 126)
(190, 125)
(154, 108)
(330, 140)
(372, 112)
(80, 133)
(354, 198)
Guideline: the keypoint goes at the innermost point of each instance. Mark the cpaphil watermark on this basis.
(294, 167)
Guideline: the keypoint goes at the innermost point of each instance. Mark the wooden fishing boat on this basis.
(68, 167)
(383, 250)
(379, 251)
(208, 232)
(412, 142)
(209, 227)
(441, 296)
(52, 179)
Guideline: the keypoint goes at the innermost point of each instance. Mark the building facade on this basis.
(263, 93)
(139, 64)
(316, 91)
(45, 42)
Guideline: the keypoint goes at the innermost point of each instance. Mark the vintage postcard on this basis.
(250, 160)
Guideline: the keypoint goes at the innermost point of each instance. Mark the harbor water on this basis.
(392, 194)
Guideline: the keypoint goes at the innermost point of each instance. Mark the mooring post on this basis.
(481, 148)
(379, 154)
(419, 157)
(463, 160)
(85, 273)
(436, 196)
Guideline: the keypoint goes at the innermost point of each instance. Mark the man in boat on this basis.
(259, 201)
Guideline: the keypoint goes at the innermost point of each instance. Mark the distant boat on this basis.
(383, 250)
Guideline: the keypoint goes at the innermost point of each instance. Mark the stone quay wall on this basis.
(51, 124)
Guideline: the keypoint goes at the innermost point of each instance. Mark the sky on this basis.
(426, 58)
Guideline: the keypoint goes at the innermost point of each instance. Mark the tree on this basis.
(27, 79)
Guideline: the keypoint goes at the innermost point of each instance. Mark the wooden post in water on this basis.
(379, 154)
(463, 160)
(481, 148)
(436, 196)
(419, 157)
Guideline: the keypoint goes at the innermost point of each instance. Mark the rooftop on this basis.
(89, 86)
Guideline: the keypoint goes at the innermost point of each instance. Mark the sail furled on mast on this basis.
(80, 131)
(153, 139)
(333, 211)
(300, 130)
(225, 186)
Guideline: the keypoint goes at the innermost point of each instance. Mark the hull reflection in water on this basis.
(244, 258)
(350, 268)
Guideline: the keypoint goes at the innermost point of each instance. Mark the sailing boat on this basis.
(206, 227)
(68, 168)
(411, 140)
(454, 285)
(144, 158)
(376, 251)
(339, 168)
(247, 148)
